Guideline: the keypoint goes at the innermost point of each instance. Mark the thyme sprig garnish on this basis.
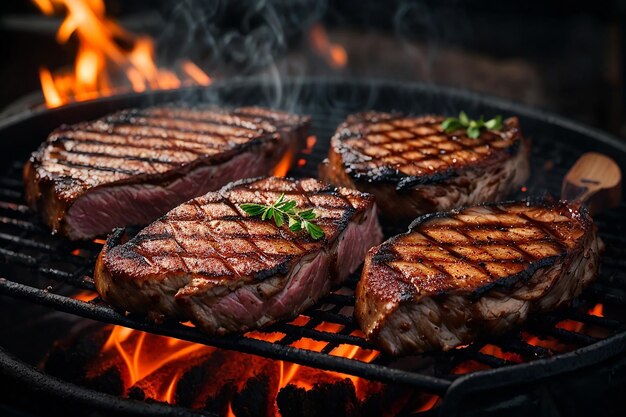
(472, 127)
(282, 209)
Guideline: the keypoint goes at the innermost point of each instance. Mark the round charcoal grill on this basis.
(44, 269)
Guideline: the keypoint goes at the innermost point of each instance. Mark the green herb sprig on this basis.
(282, 208)
(472, 127)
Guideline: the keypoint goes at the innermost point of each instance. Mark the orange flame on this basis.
(45, 6)
(144, 355)
(334, 54)
(284, 165)
(304, 377)
(156, 364)
(196, 73)
(102, 65)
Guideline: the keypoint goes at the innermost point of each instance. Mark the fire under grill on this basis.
(50, 271)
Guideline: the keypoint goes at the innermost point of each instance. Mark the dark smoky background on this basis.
(566, 57)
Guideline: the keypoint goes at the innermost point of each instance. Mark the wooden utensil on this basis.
(595, 180)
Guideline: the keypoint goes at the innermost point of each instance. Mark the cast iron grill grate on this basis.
(51, 271)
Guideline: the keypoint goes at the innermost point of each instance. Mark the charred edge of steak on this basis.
(356, 125)
(532, 201)
(546, 202)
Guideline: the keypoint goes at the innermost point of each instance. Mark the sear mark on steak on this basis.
(477, 271)
(135, 165)
(413, 167)
(208, 262)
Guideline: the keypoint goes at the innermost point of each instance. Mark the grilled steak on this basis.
(414, 168)
(481, 270)
(135, 165)
(209, 262)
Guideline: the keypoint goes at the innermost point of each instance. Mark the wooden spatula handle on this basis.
(595, 180)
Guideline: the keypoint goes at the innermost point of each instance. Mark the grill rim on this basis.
(616, 342)
(374, 83)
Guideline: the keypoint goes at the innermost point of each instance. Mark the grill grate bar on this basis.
(12, 182)
(19, 223)
(490, 360)
(59, 274)
(13, 207)
(329, 348)
(339, 299)
(546, 328)
(18, 257)
(332, 317)
(10, 193)
(516, 345)
(247, 345)
(16, 240)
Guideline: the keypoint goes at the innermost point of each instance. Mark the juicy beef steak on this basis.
(414, 168)
(481, 270)
(209, 262)
(135, 165)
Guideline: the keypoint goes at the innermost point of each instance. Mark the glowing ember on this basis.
(155, 365)
(496, 351)
(334, 54)
(546, 342)
(428, 404)
(310, 143)
(469, 366)
(597, 310)
(102, 65)
(569, 325)
(85, 296)
(577, 326)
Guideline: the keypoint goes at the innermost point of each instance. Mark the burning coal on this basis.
(149, 367)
